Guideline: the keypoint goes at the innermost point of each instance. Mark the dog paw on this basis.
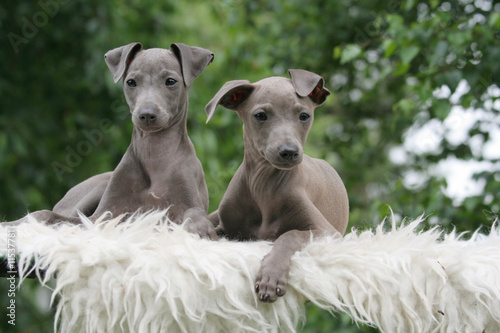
(271, 281)
(203, 228)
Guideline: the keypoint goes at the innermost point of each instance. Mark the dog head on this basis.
(156, 81)
(277, 113)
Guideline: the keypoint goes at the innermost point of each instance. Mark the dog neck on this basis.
(150, 153)
(261, 175)
(162, 144)
(155, 147)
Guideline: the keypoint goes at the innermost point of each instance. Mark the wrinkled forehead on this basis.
(276, 90)
(153, 60)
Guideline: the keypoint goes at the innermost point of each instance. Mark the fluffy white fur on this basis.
(146, 275)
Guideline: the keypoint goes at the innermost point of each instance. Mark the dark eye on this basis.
(261, 116)
(170, 82)
(304, 117)
(131, 83)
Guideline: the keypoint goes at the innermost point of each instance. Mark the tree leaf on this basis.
(408, 5)
(408, 53)
(350, 52)
(406, 106)
(389, 46)
(439, 53)
(337, 52)
(401, 68)
(441, 108)
(494, 20)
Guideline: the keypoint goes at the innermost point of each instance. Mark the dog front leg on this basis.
(198, 223)
(272, 278)
(46, 216)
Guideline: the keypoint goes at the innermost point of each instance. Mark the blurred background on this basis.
(412, 125)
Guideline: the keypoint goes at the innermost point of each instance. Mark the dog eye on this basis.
(131, 83)
(261, 116)
(304, 117)
(170, 82)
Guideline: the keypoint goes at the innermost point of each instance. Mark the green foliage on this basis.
(322, 321)
(383, 62)
(32, 314)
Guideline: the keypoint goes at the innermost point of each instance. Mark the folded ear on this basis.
(309, 84)
(193, 60)
(118, 59)
(230, 96)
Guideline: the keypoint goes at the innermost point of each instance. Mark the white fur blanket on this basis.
(150, 276)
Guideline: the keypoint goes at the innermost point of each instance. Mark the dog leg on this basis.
(272, 279)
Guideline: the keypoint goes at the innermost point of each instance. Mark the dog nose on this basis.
(288, 152)
(147, 116)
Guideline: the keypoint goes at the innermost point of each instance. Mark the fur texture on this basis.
(147, 275)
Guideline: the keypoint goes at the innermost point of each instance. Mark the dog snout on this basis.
(148, 116)
(289, 152)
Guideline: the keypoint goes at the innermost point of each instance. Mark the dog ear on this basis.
(230, 96)
(309, 84)
(193, 60)
(118, 59)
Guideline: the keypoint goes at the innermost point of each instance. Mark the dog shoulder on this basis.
(325, 172)
(320, 164)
